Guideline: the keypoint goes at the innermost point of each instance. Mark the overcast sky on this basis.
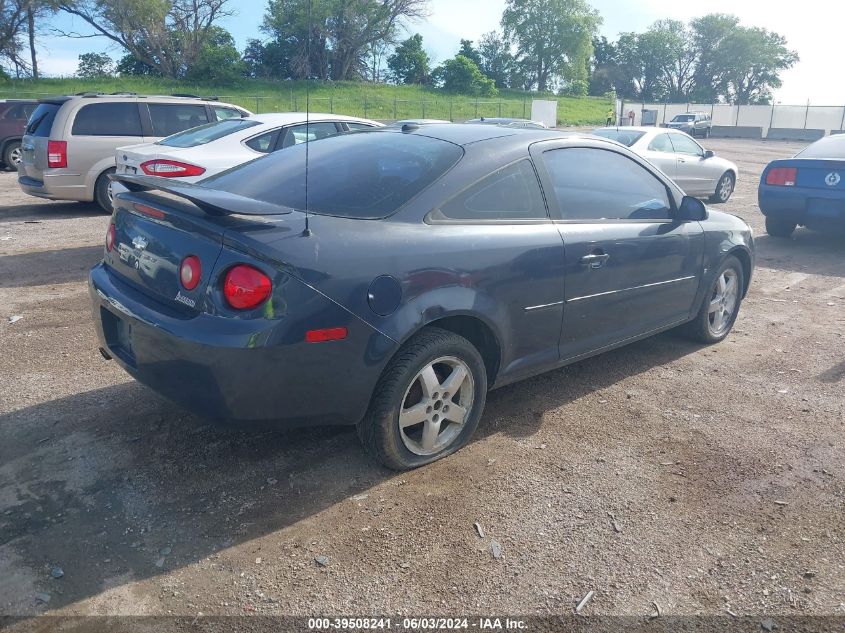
(812, 27)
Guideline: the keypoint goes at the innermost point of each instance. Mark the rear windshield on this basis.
(41, 121)
(830, 147)
(365, 175)
(627, 138)
(684, 117)
(207, 133)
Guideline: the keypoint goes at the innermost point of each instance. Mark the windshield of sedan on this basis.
(830, 147)
(366, 175)
(626, 137)
(207, 133)
(683, 118)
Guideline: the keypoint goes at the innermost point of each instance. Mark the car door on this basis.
(513, 255)
(631, 268)
(659, 152)
(97, 130)
(693, 174)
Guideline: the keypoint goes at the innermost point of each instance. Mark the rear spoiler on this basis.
(212, 201)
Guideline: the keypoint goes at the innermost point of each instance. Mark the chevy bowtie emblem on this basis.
(832, 179)
(140, 242)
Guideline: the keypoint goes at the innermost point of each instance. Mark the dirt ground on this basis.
(707, 480)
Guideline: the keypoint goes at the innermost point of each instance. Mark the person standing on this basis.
(611, 115)
(631, 116)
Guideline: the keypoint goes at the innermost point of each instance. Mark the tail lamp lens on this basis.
(190, 272)
(110, 238)
(782, 176)
(56, 154)
(171, 168)
(246, 287)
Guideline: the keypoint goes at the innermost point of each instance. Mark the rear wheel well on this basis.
(480, 335)
(744, 259)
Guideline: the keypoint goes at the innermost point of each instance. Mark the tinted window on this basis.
(596, 184)
(107, 119)
(297, 134)
(661, 143)
(42, 119)
(358, 126)
(830, 147)
(512, 193)
(683, 118)
(263, 143)
(351, 175)
(170, 118)
(620, 136)
(226, 113)
(207, 133)
(685, 145)
(17, 111)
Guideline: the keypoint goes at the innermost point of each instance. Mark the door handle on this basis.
(595, 260)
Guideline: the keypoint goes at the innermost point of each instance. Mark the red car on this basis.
(14, 113)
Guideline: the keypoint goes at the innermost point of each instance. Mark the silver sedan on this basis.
(697, 171)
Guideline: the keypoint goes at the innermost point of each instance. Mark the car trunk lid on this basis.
(129, 159)
(820, 174)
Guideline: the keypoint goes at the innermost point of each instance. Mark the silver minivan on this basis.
(69, 143)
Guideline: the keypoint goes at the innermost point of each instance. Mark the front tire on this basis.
(724, 188)
(427, 403)
(102, 191)
(12, 155)
(779, 227)
(720, 307)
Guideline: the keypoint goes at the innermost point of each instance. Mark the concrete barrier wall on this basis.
(793, 134)
(737, 131)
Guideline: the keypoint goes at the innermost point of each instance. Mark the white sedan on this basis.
(210, 149)
(697, 171)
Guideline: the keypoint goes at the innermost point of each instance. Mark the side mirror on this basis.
(692, 210)
(708, 154)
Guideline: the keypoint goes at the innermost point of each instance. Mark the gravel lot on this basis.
(708, 480)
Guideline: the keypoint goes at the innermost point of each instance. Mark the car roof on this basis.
(636, 128)
(462, 134)
(129, 96)
(283, 118)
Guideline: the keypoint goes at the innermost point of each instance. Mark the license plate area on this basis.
(129, 169)
(825, 208)
(118, 334)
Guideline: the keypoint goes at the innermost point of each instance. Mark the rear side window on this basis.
(207, 133)
(297, 134)
(510, 193)
(263, 143)
(350, 175)
(352, 125)
(170, 118)
(597, 184)
(41, 121)
(107, 119)
(226, 113)
(661, 143)
(620, 136)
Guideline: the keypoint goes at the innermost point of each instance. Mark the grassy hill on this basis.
(375, 101)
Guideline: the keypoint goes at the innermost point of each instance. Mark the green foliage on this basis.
(375, 101)
(218, 60)
(553, 39)
(470, 52)
(461, 75)
(95, 66)
(496, 59)
(129, 65)
(409, 63)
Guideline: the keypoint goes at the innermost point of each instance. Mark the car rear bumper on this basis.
(244, 370)
(56, 187)
(814, 208)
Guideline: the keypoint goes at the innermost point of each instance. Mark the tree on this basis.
(95, 66)
(470, 52)
(129, 65)
(13, 25)
(168, 35)
(333, 39)
(667, 46)
(755, 58)
(409, 63)
(553, 38)
(461, 75)
(709, 34)
(218, 61)
(496, 59)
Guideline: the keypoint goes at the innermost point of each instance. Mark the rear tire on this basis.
(102, 191)
(724, 189)
(436, 377)
(718, 312)
(778, 227)
(12, 155)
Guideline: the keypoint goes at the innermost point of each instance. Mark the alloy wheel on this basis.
(436, 405)
(726, 188)
(16, 156)
(723, 302)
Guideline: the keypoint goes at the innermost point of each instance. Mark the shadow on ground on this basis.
(811, 252)
(42, 268)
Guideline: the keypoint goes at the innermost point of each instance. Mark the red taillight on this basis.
(56, 153)
(246, 287)
(190, 272)
(110, 238)
(171, 168)
(782, 176)
(149, 211)
(328, 334)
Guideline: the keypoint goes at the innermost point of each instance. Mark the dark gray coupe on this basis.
(434, 263)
